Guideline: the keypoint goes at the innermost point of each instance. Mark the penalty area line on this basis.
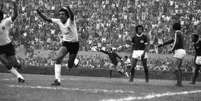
(152, 96)
(74, 89)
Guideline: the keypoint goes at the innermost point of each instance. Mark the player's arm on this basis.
(103, 51)
(15, 13)
(70, 13)
(146, 46)
(118, 57)
(132, 43)
(43, 16)
(166, 43)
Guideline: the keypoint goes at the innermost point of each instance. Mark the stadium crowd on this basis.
(103, 23)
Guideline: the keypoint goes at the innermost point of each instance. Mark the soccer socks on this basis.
(16, 73)
(57, 71)
(110, 73)
(178, 74)
(180, 77)
(132, 74)
(196, 73)
(146, 75)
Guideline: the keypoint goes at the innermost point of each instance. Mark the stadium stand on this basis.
(103, 23)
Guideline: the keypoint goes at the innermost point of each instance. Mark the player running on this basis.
(70, 42)
(140, 47)
(179, 51)
(197, 60)
(7, 50)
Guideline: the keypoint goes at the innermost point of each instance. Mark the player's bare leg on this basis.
(144, 63)
(10, 67)
(196, 74)
(178, 72)
(14, 62)
(71, 60)
(57, 69)
(132, 70)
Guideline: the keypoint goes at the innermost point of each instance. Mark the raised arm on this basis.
(103, 51)
(70, 13)
(43, 16)
(117, 56)
(15, 13)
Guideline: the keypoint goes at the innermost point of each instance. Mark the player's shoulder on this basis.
(179, 32)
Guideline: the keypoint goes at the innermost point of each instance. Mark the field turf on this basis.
(76, 88)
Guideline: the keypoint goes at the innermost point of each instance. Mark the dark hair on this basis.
(63, 9)
(1, 14)
(176, 26)
(195, 35)
(138, 26)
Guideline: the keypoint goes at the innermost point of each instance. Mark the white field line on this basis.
(152, 96)
(74, 89)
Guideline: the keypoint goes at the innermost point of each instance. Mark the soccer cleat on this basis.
(193, 83)
(20, 80)
(179, 85)
(56, 83)
(131, 79)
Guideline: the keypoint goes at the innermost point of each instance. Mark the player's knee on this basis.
(9, 67)
(15, 64)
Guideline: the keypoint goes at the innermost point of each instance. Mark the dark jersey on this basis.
(139, 42)
(197, 47)
(178, 41)
(113, 56)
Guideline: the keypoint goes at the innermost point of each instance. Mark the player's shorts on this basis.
(7, 49)
(72, 47)
(138, 53)
(179, 53)
(198, 60)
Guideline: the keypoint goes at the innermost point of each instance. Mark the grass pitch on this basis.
(76, 88)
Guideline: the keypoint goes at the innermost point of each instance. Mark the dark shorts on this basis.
(72, 47)
(7, 49)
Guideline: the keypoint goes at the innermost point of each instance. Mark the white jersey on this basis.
(5, 26)
(68, 30)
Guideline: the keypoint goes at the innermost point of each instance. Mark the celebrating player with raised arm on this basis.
(7, 50)
(179, 51)
(70, 42)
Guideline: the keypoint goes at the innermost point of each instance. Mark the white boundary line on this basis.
(152, 96)
(74, 89)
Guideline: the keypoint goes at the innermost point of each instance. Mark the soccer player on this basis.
(7, 50)
(197, 60)
(70, 42)
(114, 61)
(140, 45)
(127, 63)
(179, 51)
